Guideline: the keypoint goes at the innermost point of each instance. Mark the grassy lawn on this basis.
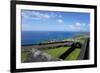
(24, 56)
(68, 39)
(73, 55)
(56, 52)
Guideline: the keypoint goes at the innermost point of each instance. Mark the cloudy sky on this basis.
(33, 20)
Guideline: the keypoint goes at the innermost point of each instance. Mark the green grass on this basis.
(56, 52)
(24, 56)
(68, 39)
(73, 55)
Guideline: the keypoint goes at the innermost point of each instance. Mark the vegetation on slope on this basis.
(24, 55)
(56, 52)
(73, 55)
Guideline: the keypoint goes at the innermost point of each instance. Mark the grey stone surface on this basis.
(83, 50)
(36, 55)
(27, 48)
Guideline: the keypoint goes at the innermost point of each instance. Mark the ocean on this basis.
(35, 37)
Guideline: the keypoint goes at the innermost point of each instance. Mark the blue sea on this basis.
(35, 37)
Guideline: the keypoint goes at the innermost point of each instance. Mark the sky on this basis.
(35, 20)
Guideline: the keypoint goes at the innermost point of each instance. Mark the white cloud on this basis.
(40, 15)
(60, 21)
(78, 24)
(35, 15)
(77, 27)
